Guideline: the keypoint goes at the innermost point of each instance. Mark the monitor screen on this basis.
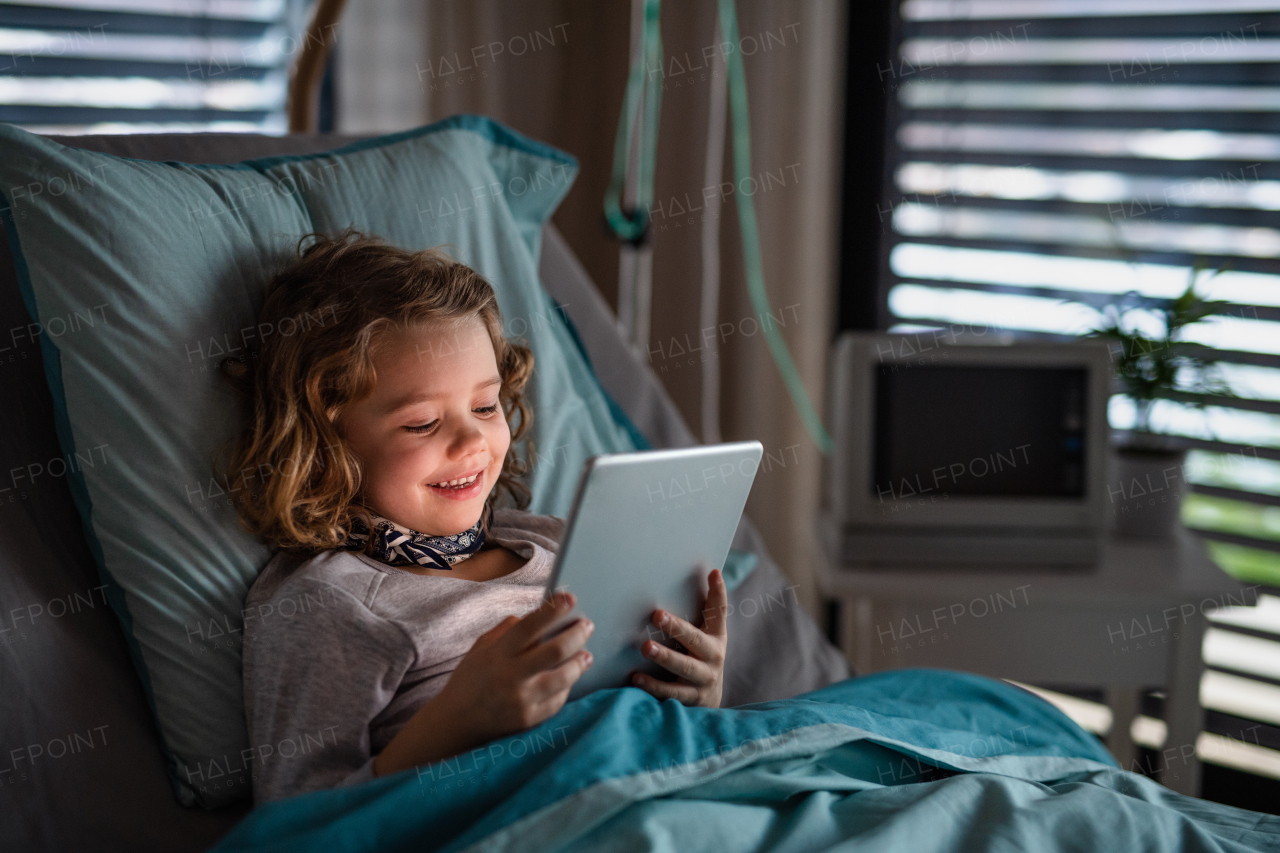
(979, 431)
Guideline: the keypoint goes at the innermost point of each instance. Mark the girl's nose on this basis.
(467, 440)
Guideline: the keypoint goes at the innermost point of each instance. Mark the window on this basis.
(1050, 157)
(121, 66)
(1046, 158)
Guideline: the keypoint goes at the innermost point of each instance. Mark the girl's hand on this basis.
(512, 680)
(509, 680)
(701, 671)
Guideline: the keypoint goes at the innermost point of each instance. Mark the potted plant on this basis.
(1154, 363)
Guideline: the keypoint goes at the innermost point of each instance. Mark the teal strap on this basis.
(633, 229)
(750, 233)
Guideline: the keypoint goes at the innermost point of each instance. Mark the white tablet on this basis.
(644, 530)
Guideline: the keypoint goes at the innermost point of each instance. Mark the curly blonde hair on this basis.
(299, 483)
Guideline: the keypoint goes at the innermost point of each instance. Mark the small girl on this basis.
(401, 621)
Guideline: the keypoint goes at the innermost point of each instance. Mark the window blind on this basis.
(120, 66)
(1053, 157)
(1047, 158)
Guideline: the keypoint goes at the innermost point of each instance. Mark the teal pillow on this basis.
(143, 275)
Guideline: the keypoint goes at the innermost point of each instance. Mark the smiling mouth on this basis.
(458, 483)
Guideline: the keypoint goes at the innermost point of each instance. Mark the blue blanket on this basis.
(912, 760)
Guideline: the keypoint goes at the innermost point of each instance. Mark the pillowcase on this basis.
(140, 276)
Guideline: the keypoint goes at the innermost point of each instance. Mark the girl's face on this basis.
(433, 417)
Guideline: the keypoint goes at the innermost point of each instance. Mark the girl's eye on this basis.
(423, 428)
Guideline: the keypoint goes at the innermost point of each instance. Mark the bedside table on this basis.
(1135, 620)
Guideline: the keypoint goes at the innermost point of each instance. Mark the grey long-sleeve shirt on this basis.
(340, 650)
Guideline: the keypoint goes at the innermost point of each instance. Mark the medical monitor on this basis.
(963, 453)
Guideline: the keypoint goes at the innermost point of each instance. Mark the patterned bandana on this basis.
(400, 546)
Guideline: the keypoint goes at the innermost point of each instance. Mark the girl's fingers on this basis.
(685, 693)
(700, 645)
(714, 621)
(559, 648)
(555, 681)
(686, 667)
(528, 630)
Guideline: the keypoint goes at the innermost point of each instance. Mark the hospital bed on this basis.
(69, 681)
